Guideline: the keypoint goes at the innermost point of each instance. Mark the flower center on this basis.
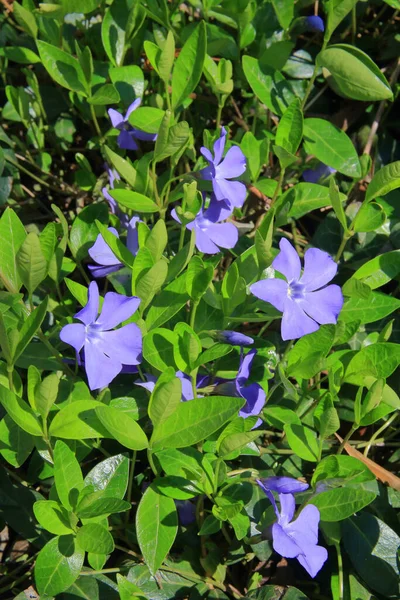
(92, 332)
(295, 290)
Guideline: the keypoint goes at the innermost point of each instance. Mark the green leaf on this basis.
(151, 282)
(53, 517)
(379, 270)
(84, 230)
(122, 427)
(372, 547)
(79, 6)
(96, 505)
(336, 11)
(166, 58)
(31, 263)
(95, 538)
(62, 67)
(182, 463)
(378, 360)
(304, 359)
(284, 11)
(79, 291)
(58, 565)
(367, 310)
(124, 79)
(146, 118)
(211, 354)
(25, 18)
(351, 470)
(78, 421)
(153, 53)
(384, 181)
(113, 31)
(302, 441)
(189, 65)
(174, 143)
(198, 278)
(128, 590)
(12, 235)
(46, 394)
(106, 94)
(336, 202)
(332, 146)
(270, 87)
(156, 527)
(15, 443)
(167, 303)
(236, 441)
(20, 412)
(158, 348)
(290, 128)
(134, 201)
(117, 247)
(123, 167)
(110, 476)
(188, 348)
(67, 475)
(195, 421)
(354, 73)
(20, 54)
(340, 503)
(369, 217)
(305, 197)
(165, 397)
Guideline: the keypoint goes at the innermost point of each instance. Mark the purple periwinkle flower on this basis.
(128, 134)
(186, 512)
(320, 172)
(106, 350)
(305, 300)
(221, 171)
(234, 338)
(253, 393)
(298, 538)
(315, 23)
(211, 234)
(103, 256)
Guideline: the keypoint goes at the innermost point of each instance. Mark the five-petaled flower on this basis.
(221, 171)
(211, 234)
(104, 257)
(305, 300)
(128, 134)
(253, 393)
(106, 350)
(298, 538)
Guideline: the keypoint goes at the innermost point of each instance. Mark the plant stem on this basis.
(151, 461)
(346, 236)
(56, 354)
(95, 122)
(130, 482)
(219, 114)
(313, 78)
(195, 304)
(340, 571)
(379, 431)
(354, 428)
(278, 187)
(10, 370)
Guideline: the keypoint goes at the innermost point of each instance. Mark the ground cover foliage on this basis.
(199, 294)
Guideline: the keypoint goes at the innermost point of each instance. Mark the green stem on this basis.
(56, 354)
(151, 461)
(130, 483)
(278, 188)
(354, 428)
(379, 431)
(340, 571)
(346, 236)
(219, 114)
(95, 122)
(35, 177)
(312, 80)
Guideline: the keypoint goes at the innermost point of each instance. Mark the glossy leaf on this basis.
(189, 65)
(58, 565)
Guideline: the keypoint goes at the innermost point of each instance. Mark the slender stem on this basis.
(219, 114)
(346, 236)
(35, 177)
(379, 431)
(353, 25)
(111, 570)
(151, 461)
(130, 483)
(312, 79)
(95, 121)
(278, 187)
(56, 354)
(340, 571)
(182, 237)
(354, 428)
